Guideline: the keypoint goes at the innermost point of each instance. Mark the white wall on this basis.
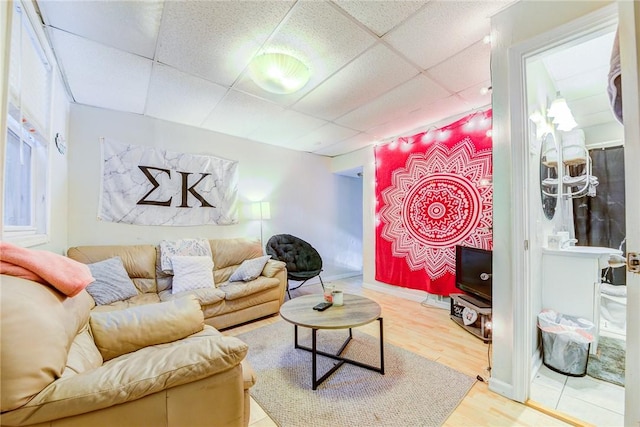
(305, 196)
(58, 174)
(540, 93)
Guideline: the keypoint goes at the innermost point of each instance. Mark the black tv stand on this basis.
(480, 328)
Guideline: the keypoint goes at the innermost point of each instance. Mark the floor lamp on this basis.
(260, 211)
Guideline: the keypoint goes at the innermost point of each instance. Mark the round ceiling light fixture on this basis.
(279, 72)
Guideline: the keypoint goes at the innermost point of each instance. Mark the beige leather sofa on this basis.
(226, 305)
(151, 360)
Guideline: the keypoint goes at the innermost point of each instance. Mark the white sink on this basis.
(593, 250)
(599, 252)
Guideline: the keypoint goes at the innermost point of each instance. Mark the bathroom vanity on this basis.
(571, 282)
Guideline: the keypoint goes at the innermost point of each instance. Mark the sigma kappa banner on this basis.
(433, 192)
(147, 186)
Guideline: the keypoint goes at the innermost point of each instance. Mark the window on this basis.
(26, 158)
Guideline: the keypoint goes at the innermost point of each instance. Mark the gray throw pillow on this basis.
(112, 282)
(249, 269)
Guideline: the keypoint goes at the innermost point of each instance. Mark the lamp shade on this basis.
(278, 72)
(260, 210)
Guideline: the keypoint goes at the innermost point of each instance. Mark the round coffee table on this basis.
(356, 311)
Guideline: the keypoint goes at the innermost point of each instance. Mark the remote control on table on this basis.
(322, 306)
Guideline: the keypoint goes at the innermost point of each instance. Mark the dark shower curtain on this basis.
(600, 220)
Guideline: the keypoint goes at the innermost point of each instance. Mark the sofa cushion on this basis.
(83, 355)
(140, 299)
(38, 326)
(133, 376)
(112, 282)
(138, 260)
(123, 331)
(249, 269)
(191, 272)
(205, 296)
(236, 290)
(231, 252)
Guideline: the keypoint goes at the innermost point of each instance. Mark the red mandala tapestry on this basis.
(433, 192)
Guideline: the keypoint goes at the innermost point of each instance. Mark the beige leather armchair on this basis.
(62, 365)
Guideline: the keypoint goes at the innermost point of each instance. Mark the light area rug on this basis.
(609, 362)
(414, 391)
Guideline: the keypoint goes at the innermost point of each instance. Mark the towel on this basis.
(66, 275)
(614, 84)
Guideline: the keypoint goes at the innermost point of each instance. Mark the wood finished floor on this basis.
(428, 331)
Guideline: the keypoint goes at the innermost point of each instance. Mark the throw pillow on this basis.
(119, 332)
(112, 282)
(249, 269)
(191, 272)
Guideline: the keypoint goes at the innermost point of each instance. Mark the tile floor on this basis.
(591, 400)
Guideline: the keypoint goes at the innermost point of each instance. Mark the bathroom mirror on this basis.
(549, 175)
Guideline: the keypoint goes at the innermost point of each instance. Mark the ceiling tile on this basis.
(590, 104)
(596, 119)
(102, 76)
(370, 75)
(285, 127)
(240, 114)
(354, 143)
(421, 119)
(474, 97)
(323, 136)
(442, 28)
(561, 64)
(417, 92)
(592, 110)
(380, 16)
(216, 39)
(321, 37)
(588, 83)
(180, 97)
(131, 26)
(465, 69)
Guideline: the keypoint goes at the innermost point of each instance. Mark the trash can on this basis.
(565, 342)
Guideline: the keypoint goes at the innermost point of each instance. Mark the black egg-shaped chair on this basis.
(303, 261)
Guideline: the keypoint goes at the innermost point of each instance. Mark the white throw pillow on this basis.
(191, 272)
(183, 247)
(249, 269)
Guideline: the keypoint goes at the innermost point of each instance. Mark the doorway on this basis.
(569, 147)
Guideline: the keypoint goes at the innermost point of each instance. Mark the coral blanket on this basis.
(66, 275)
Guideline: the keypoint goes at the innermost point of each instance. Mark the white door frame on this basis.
(629, 33)
(522, 311)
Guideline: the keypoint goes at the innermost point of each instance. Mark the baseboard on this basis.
(557, 414)
(406, 293)
(333, 277)
(536, 363)
(500, 387)
(345, 275)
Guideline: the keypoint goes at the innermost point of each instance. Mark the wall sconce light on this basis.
(561, 114)
(260, 211)
(279, 72)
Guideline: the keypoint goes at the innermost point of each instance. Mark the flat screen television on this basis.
(474, 272)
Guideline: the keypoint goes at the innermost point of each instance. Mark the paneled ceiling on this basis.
(379, 69)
